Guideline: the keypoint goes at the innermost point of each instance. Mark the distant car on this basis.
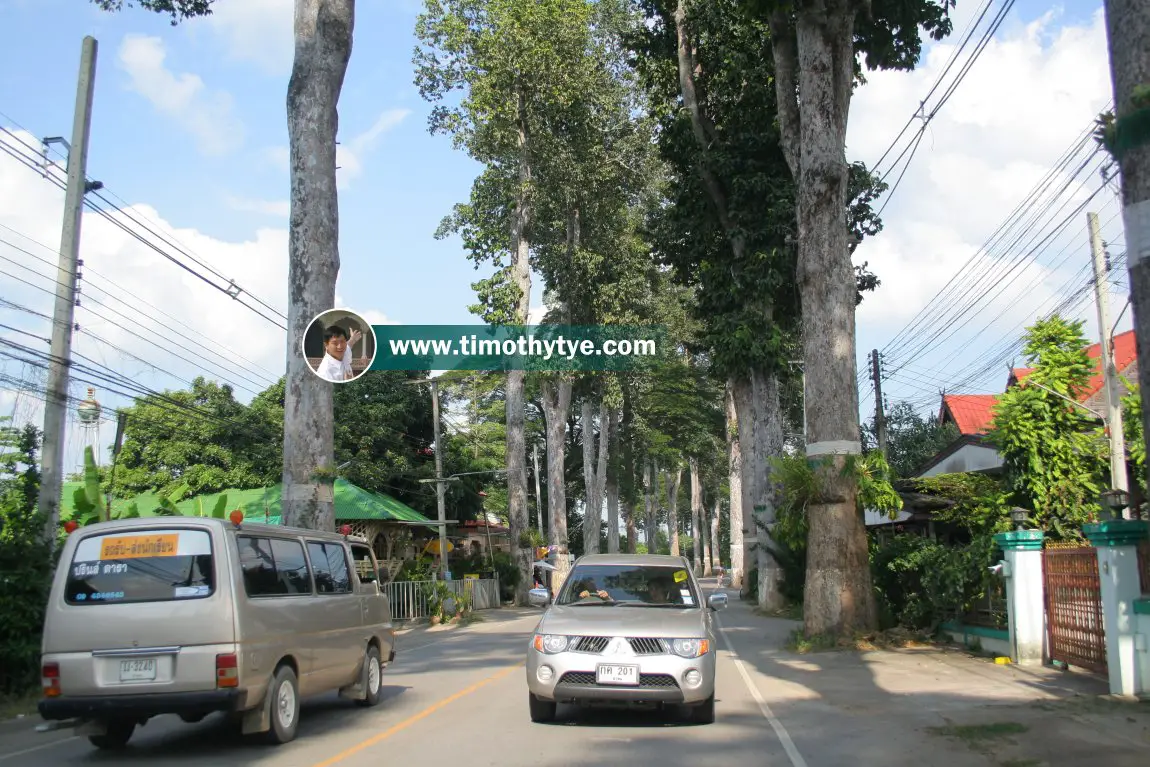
(625, 629)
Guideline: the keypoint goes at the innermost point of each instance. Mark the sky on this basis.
(189, 138)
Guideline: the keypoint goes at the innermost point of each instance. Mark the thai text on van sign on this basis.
(136, 546)
(517, 347)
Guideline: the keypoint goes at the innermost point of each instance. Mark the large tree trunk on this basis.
(673, 509)
(612, 482)
(814, 69)
(516, 379)
(630, 470)
(650, 502)
(717, 558)
(592, 503)
(735, 481)
(323, 35)
(697, 546)
(705, 533)
(556, 397)
(743, 401)
(769, 437)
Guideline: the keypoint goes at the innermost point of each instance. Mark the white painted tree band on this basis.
(1136, 220)
(834, 447)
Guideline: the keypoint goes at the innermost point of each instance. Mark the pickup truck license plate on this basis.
(615, 674)
(138, 670)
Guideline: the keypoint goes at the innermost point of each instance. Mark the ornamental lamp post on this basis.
(1018, 516)
(1115, 500)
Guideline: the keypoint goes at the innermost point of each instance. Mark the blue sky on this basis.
(189, 124)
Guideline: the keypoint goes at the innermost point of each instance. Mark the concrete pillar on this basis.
(1116, 542)
(1025, 594)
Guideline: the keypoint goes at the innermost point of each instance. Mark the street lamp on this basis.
(1018, 516)
(1116, 500)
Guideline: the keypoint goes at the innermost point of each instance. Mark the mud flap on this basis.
(355, 690)
(259, 719)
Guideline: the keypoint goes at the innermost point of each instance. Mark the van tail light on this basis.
(51, 680)
(227, 670)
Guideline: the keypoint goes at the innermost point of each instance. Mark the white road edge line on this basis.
(41, 747)
(780, 731)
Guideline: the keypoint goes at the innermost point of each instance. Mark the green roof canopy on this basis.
(351, 503)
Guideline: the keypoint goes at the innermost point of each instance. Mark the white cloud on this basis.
(183, 97)
(350, 156)
(375, 317)
(259, 31)
(278, 208)
(1030, 94)
(121, 277)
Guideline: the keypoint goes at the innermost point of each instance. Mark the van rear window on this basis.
(141, 566)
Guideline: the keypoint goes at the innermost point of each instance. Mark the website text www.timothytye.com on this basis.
(523, 346)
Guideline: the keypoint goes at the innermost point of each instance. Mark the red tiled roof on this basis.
(974, 413)
(971, 413)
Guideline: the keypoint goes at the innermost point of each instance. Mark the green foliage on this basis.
(178, 9)
(981, 503)
(1053, 457)
(26, 560)
(1132, 429)
(921, 583)
(911, 439)
(89, 501)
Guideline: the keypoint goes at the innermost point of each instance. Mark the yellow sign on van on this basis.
(137, 546)
(680, 576)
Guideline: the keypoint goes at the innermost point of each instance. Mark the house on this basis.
(973, 416)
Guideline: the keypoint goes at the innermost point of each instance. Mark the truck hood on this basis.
(623, 620)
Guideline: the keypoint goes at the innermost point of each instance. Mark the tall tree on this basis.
(509, 59)
(815, 47)
(323, 35)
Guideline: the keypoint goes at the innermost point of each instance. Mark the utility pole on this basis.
(879, 415)
(1127, 29)
(538, 495)
(1109, 371)
(56, 402)
(439, 480)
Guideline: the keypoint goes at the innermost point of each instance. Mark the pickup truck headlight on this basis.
(551, 643)
(690, 648)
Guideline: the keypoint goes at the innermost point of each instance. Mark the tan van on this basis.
(192, 615)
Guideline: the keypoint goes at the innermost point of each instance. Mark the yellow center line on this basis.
(415, 718)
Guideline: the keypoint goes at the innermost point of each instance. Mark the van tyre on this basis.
(283, 700)
(372, 678)
(541, 710)
(116, 736)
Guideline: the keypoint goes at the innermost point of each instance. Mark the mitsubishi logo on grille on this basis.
(619, 646)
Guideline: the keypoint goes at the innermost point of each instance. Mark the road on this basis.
(461, 697)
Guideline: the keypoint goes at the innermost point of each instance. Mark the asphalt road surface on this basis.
(460, 697)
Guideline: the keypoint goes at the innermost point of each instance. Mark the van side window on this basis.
(273, 566)
(364, 563)
(332, 575)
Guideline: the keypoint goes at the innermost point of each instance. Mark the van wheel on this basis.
(372, 672)
(283, 698)
(116, 737)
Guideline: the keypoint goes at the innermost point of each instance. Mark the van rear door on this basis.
(143, 609)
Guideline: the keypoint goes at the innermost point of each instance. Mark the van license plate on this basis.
(613, 674)
(138, 670)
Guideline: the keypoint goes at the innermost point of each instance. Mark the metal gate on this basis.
(1074, 627)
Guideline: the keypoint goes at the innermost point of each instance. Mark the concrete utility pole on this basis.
(56, 403)
(439, 489)
(1128, 32)
(1109, 371)
(879, 415)
(538, 495)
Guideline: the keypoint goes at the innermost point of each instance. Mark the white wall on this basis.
(966, 458)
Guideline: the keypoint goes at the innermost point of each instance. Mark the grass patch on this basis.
(469, 618)
(13, 705)
(1021, 763)
(891, 639)
(979, 733)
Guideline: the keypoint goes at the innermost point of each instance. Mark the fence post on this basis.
(1116, 543)
(1025, 594)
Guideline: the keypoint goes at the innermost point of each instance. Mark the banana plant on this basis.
(89, 501)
